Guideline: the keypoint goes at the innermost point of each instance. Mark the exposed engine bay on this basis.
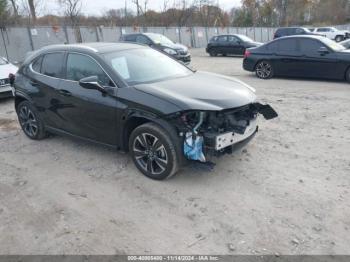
(215, 132)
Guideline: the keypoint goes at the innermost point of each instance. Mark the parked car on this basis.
(230, 45)
(7, 72)
(136, 99)
(288, 31)
(299, 56)
(333, 33)
(346, 43)
(160, 42)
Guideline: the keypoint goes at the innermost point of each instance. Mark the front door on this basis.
(316, 64)
(87, 113)
(235, 45)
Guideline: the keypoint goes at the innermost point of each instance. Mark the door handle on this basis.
(64, 92)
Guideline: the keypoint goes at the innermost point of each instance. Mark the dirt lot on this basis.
(288, 192)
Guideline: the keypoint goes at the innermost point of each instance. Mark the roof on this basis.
(302, 36)
(96, 47)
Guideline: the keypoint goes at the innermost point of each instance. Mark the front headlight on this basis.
(170, 51)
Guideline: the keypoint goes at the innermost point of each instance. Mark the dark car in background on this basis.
(299, 56)
(288, 31)
(161, 43)
(136, 99)
(230, 45)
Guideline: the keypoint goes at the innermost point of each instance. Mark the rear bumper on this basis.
(248, 65)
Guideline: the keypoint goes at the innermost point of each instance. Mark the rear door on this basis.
(87, 113)
(45, 77)
(235, 46)
(286, 56)
(222, 44)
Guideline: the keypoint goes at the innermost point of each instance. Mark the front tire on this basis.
(28, 117)
(339, 38)
(212, 53)
(153, 152)
(264, 70)
(347, 75)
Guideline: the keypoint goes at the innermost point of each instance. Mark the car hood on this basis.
(7, 69)
(176, 46)
(202, 91)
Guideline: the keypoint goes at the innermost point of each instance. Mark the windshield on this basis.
(137, 66)
(245, 38)
(3, 61)
(333, 45)
(160, 39)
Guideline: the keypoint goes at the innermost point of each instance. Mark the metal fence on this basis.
(15, 42)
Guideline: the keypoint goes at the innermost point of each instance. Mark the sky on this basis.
(97, 7)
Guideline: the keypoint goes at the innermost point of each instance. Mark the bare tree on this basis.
(141, 9)
(72, 10)
(14, 7)
(31, 4)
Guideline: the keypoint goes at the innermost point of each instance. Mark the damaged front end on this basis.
(213, 133)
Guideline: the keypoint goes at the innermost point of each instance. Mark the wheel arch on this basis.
(137, 119)
(20, 98)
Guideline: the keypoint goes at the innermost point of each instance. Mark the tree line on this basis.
(180, 13)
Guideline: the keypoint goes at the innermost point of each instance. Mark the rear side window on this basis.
(130, 38)
(143, 40)
(81, 66)
(52, 65)
(37, 64)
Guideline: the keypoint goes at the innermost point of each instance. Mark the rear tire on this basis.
(28, 117)
(264, 70)
(153, 151)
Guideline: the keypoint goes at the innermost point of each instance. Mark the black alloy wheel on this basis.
(264, 70)
(31, 125)
(153, 152)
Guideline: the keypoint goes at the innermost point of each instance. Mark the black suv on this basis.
(160, 42)
(230, 45)
(136, 99)
(287, 31)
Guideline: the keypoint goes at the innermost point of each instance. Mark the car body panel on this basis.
(105, 117)
(236, 46)
(299, 63)
(197, 92)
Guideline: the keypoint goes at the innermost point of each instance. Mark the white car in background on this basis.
(7, 71)
(332, 33)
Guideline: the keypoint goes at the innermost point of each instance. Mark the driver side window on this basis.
(81, 66)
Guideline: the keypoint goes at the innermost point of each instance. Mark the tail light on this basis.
(12, 78)
(247, 53)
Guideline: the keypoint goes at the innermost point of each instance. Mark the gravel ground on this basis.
(286, 193)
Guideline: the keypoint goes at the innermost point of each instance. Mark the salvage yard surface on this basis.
(287, 192)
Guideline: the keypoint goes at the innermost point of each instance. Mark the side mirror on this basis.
(323, 50)
(91, 82)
